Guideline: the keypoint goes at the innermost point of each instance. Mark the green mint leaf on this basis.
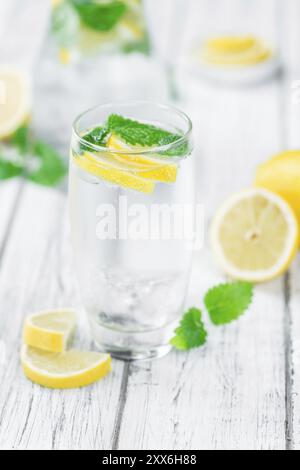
(145, 135)
(64, 24)
(21, 140)
(51, 167)
(97, 136)
(143, 46)
(9, 169)
(191, 332)
(227, 302)
(99, 16)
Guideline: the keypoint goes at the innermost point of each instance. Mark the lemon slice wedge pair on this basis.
(46, 360)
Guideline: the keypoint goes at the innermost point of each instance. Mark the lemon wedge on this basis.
(150, 168)
(15, 100)
(235, 51)
(255, 235)
(109, 170)
(50, 330)
(70, 369)
(281, 175)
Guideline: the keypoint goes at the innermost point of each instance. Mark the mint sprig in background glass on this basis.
(84, 28)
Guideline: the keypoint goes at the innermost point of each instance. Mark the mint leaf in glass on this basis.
(65, 24)
(99, 16)
(191, 332)
(97, 136)
(50, 165)
(227, 302)
(136, 133)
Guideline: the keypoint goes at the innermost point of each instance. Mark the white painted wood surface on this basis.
(242, 391)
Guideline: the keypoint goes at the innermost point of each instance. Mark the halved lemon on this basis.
(235, 51)
(71, 369)
(50, 330)
(149, 167)
(114, 172)
(15, 101)
(281, 175)
(255, 235)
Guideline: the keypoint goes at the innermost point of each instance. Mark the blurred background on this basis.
(225, 62)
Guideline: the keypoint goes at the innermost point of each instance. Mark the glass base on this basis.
(133, 346)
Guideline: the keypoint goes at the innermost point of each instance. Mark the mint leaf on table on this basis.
(191, 332)
(97, 136)
(21, 140)
(51, 167)
(145, 135)
(98, 16)
(9, 169)
(227, 302)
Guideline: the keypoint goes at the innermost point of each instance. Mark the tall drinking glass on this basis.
(132, 210)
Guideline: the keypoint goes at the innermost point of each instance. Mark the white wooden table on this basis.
(242, 391)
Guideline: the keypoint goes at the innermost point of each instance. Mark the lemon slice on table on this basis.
(235, 51)
(50, 330)
(255, 235)
(281, 175)
(149, 167)
(15, 100)
(108, 170)
(71, 369)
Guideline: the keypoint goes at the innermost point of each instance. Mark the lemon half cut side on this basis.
(255, 235)
(15, 100)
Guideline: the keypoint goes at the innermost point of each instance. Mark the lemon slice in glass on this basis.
(149, 167)
(255, 235)
(50, 330)
(108, 169)
(15, 101)
(70, 369)
(235, 51)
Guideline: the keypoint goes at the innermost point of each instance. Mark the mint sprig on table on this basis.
(137, 134)
(224, 303)
(34, 159)
(191, 332)
(100, 17)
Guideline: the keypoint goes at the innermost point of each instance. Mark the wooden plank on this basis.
(290, 37)
(230, 395)
(36, 274)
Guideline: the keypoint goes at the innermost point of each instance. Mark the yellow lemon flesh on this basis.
(281, 175)
(151, 168)
(71, 369)
(235, 51)
(50, 330)
(15, 100)
(113, 172)
(255, 235)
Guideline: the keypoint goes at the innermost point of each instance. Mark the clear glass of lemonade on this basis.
(83, 28)
(132, 210)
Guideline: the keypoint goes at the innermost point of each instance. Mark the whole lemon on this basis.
(281, 175)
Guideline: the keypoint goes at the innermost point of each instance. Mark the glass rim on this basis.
(158, 149)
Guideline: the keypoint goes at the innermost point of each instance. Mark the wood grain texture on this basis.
(36, 274)
(232, 395)
(291, 125)
(242, 390)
